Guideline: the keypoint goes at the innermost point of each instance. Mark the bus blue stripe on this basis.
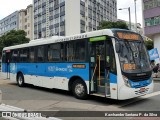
(113, 78)
(140, 84)
(50, 69)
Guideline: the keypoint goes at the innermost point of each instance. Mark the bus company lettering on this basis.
(72, 38)
(60, 69)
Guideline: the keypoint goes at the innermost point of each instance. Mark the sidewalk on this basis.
(156, 79)
(15, 113)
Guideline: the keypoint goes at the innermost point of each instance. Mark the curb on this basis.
(0, 96)
(15, 113)
(156, 79)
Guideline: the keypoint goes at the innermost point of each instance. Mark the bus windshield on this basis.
(134, 57)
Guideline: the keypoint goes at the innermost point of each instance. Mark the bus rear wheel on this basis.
(20, 80)
(79, 89)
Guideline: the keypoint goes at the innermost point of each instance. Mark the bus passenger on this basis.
(155, 70)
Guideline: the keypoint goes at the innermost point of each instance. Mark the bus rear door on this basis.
(7, 63)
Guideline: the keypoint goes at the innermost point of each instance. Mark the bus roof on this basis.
(56, 39)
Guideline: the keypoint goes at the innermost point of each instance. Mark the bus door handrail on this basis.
(94, 72)
(99, 71)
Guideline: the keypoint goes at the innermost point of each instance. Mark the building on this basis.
(19, 20)
(139, 28)
(151, 21)
(26, 21)
(67, 17)
(9, 23)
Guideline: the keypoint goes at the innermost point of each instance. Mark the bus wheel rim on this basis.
(79, 89)
(20, 80)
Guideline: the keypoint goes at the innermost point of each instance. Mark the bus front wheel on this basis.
(79, 89)
(20, 80)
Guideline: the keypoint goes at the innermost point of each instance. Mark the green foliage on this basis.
(149, 44)
(14, 37)
(108, 24)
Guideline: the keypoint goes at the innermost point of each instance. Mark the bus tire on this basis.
(20, 80)
(79, 89)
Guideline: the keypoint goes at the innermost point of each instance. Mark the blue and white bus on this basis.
(112, 63)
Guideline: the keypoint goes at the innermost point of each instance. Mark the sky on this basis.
(124, 14)
(9, 6)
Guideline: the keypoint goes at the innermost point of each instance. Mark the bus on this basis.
(111, 63)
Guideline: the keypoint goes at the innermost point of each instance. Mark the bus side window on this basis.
(75, 51)
(54, 53)
(112, 60)
(24, 55)
(15, 56)
(79, 51)
(110, 57)
(32, 55)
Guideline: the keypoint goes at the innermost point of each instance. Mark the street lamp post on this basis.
(135, 16)
(129, 16)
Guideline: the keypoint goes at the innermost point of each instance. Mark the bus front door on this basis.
(99, 55)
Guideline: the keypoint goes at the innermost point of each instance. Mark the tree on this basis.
(108, 24)
(14, 37)
(149, 44)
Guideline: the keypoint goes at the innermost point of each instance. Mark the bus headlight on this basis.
(126, 81)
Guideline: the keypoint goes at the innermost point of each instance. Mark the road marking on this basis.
(151, 95)
(141, 98)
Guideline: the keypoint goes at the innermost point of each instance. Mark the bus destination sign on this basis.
(128, 66)
(95, 39)
(128, 36)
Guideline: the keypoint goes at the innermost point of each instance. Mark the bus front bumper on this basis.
(128, 93)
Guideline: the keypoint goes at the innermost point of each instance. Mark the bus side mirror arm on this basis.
(117, 44)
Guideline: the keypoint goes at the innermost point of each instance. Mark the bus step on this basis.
(101, 89)
(107, 89)
(98, 94)
(103, 81)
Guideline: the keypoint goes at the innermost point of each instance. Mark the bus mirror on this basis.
(118, 47)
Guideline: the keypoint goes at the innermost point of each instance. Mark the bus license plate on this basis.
(142, 90)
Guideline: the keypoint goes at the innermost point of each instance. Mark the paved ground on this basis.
(37, 98)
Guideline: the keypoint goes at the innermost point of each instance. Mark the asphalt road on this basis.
(37, 98)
